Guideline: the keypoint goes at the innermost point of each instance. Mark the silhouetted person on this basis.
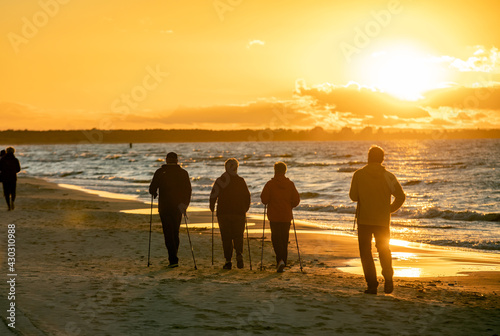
(280, 196)
(175, 194)
(9, 167)
(372, 187)
(231, 193)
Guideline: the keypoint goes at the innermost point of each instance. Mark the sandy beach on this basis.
(81, 265)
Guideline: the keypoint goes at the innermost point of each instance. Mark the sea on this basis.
(452, 186)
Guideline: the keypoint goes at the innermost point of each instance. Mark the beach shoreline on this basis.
(82, 268)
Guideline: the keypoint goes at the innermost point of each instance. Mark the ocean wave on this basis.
(419, 226)
(122, 179)
(347, 169)
(112, 157)
(412, 182)
(309, 164)
(66, 174)
(308, 195)
(491, 245)
(328, 208)
(200, 179)
(435, 212)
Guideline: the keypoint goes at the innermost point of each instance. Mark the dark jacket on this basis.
(9, 167)
(231, 193)
(174, 185)
(280, 196)
(373, 187)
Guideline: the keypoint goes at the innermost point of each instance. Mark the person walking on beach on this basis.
(174, 188)
(280, 196)
(373, 187)
(232, 196)
(9, 167)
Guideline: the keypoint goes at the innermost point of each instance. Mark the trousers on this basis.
(382, 236)
(279, 237)
(232, 228)
(9, 191)
(171, 222)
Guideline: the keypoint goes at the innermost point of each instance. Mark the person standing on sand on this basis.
(231, 193)
(373, 187)
(174, 188)
(9, 167)
(280, 196)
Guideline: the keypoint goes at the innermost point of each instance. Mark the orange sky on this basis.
(222, 64)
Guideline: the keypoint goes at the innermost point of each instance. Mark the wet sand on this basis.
(81, 268)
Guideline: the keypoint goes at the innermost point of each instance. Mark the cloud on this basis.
(478, 98)
(255, 42)
(359, 101)
(259, 114)
(482, 60)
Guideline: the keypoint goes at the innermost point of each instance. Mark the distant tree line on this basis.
(95, 136)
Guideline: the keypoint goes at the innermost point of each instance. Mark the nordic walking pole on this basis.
(248, 241)
(263, 232)
(190, 244)
(212, 237)
(297, 241)
(150, 224)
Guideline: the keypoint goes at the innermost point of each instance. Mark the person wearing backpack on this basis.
(373, 187)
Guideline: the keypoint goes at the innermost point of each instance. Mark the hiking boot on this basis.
(173, 265)
(388, 286)
(281, 266)
(228, 265)
(239, 263)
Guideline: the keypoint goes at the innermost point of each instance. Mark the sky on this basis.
(234, 64)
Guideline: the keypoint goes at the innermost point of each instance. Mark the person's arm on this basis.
(214, 194)
(187, 190)
(18, 166)
(353, 192)
(265, 196)
(153, 187)
(399, 195)
(295, 196)
(246, 195)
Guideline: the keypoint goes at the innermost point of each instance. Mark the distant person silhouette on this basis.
(373, 187)
(280, 196)
(175, 194)
(231, 193)
(9, 167)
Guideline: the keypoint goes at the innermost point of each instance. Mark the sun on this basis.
(402, 71)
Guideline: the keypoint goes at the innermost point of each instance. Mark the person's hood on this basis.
(281, 181)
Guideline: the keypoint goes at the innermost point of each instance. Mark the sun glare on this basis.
(404, 72)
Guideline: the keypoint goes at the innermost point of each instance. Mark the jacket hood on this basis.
(281, 181)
